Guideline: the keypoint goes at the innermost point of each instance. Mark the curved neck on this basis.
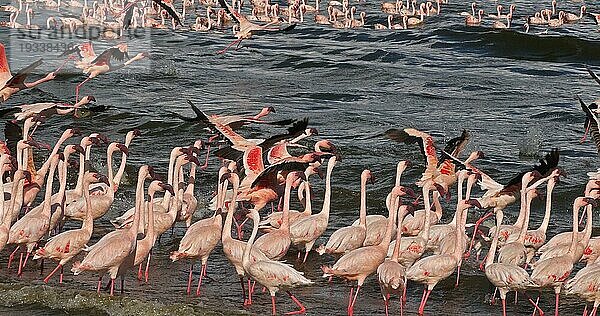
(229, 218)
(492, 252)
(109, 169)
(170, 176)
(392, 212)
(576, 208)
(437, 205)
(588, 226)
(139, 198)
(285, 223)
(250, 243)
(399, 170)
(521, 217)
(78, 186)
(523, 231)
(150, 216)
(546, 221)
(88, 223)
(13, 207)
(3, 202)
(46, 166)
(116, 181)
(62, 179)
(396, 252)
(327, 199)
(427, 213)
(307, 198)
(363, 202)
(48, 193)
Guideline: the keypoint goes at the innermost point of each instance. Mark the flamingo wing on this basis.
(456, 145)
(5, 74)
(128, 15)
(412, 136)
(234, 14)
(170, 10)
(110, 54)
(594, 76)
(253, 160)
(18, 80)
(546, 165)
(591, 121)
(265, 29)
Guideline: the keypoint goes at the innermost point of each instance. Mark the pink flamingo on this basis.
(63, 247)
(306, 231)
(276, 243)
(32, 227)
(190, 202)
(505, 276)
(116, 247)
(144, 246)
(391, 274)
(273, 275)
(358, 264)
(553, 272)
(352, 237)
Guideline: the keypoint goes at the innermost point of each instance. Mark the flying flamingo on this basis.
(553, 272)
(63, 247)
(276, 243)
(391, 274)
(32, 227)
(102, 64)
(306, 231)
(49, 109)
(505, 276)
(116, 247)
(247, 28)
(273, 275)
(352, 237)
(358, 264)
(12, 84)
(144, 246)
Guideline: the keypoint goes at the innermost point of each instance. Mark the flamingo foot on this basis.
(302, 309)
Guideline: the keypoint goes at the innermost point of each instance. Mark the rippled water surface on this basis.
(515, 92)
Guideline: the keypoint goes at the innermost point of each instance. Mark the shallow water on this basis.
(515, 92)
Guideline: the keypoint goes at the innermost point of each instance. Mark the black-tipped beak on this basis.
(167, 187)
(102, 179)
(474, 202)
(27, 175)
(591, 201)
(91, 98)
(194, 149)
(321, 173)
(61, 156)
(224, 177)
(410, 192)
(136, 132)
(39, 118)
(123, 149)
(75, 131)
(480, 154)
(79, 149)
(372, 179)
(272, 109)
(103, 138)
(195, 160)
(301, 175)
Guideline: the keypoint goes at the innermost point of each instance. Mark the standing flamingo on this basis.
(358, 264)
(352, 237)
(306, 231)
(116, 247)
(63, 247)
(553, 272)
(273, 275)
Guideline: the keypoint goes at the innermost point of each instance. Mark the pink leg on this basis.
(205, 165)
(422, 309)
(354, 300)
(457, 276)
(386, 303)
(493, 300)
(249, 302)
(423, 297)
(479, 221)
(350, 299)
(305, 256)
(402, 306)
(147, 267)
(404, 296)
(556, 304)
(516, 297)
(503, 307)
(239, 40)
(202, 273)
(273, 304)
(587, 130)
(585, 310)
(482, 263)
(12, 256)
(534, 304)
(60, 280)
(59, 266)
(302, 309)
(99, 284)
(239, 227)
(112, 287)
(77, 89)
(140, 272)
(190, 279)
(243, 290)
(594, 310)
(20, 265)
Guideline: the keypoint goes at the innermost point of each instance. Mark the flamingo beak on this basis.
(167, 187)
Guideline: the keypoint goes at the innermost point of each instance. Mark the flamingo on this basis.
(391, 274)
(63, 247)
(352, 237)
(553, 272)
(144, 246)
(198, 242)
(431, 270)
(505, 276)
(49, 109)
(190, 202)
(116, 247)
(234, 248)
(247, 28)
(33, 226)
(12, 84)
(472, 20)
(306, 231)
(358, 264)
(536, 238)
(5, 209)
(273, 275)
(102, 64)
(585, 284)
(572, 18)
(276, 243)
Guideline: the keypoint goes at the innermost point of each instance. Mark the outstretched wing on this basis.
(109, 54)
(591, 121)
(234, 14)
(456, 145)
(128, 15)
(17, 80)
(425, 141)
(547, 164)
(295, 130)
(5, 74)
(13, 133)
(275, 30)
(169, 10)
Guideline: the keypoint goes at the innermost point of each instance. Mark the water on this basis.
(515, 92)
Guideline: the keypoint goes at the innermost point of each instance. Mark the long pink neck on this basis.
(363, 202)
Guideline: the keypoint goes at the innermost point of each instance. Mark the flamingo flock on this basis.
(413, 245)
